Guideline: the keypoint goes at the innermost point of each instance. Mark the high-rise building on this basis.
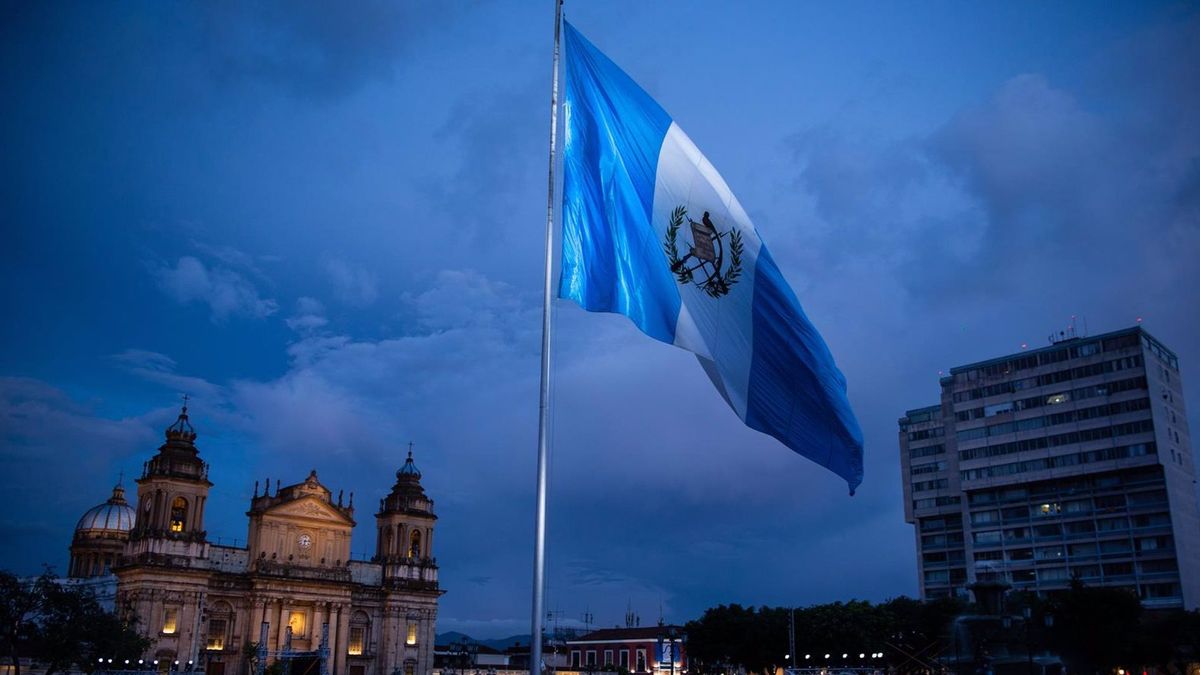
(1073, 460)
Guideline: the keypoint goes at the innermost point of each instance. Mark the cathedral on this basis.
(291, 595)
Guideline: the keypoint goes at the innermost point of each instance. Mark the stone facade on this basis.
(207, 605)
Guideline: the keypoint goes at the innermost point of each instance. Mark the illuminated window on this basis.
(216, 634)
(358, 635)
(296, 622)
(409, 669)
(170, 620)
(1058, 398)
(412, 635)
(414, 545)
(178, 514)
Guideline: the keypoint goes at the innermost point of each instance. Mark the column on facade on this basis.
(314, 629)
(429, 542)
(389, 639)
(425, 649)
(164, 509)
(334, 638)
(198, 519)
(343, 641)
(256, 619)
(156, 500)
(281, 628)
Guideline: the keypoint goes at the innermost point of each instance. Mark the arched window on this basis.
(178, 514)
(360, 634)
(220, 623)
(414, 544)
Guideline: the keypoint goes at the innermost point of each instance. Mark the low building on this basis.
(641, 649)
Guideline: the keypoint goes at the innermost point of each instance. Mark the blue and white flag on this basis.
(651, 231)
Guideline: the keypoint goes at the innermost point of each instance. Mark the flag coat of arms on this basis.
(650, 230)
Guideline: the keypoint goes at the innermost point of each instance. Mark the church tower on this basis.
(172, 493)
(405, 520)
(410, 574)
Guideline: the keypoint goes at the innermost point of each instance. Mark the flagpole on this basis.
(539, 528)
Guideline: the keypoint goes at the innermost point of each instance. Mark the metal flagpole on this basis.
(539, 528)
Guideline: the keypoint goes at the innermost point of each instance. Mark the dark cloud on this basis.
(315, 49)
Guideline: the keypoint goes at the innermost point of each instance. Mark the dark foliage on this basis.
(1092, 629)
(61, 626)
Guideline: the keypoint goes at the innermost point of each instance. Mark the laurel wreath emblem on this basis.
(719, 282)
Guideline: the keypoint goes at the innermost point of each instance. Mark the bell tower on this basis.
(405, 520)
(172, 493)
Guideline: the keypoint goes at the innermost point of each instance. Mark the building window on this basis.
(641, 661)
(409, 668)
(576, 660)
(216, 635)
(296, 622)
(170, 620)
(414, 544)
(591, 657)
(624, 659)
(411, 639)
(178, 514)
(358, 635)
(608, 656)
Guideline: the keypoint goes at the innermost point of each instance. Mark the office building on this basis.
(1073, 460)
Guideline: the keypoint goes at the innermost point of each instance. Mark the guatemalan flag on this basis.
(651, 231)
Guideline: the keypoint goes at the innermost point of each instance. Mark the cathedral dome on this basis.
(114, 515)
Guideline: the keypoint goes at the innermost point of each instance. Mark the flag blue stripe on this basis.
(611, 260)
(796, 392)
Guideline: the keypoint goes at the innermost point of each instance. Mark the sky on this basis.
(324, 224)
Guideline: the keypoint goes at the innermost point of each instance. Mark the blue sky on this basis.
(325, 226)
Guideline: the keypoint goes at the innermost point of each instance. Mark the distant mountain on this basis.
(498, 643)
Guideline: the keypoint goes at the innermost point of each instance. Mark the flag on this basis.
(650, 230)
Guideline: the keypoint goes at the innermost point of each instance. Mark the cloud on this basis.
(160, 369)
(462, 298)
(309, 316)
(41, 425)
(353, 285)
(311, 49)
(226, 292)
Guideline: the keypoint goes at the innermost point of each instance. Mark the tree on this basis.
(20, 600)
(61, 625)
(1095, 628)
